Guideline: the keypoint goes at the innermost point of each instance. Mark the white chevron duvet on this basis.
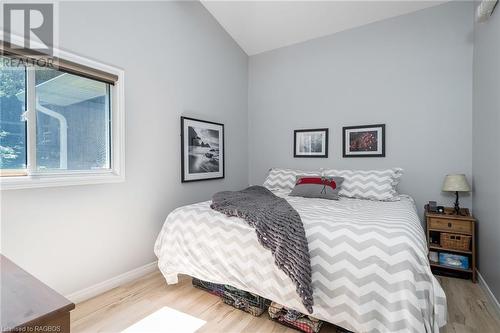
(368, 258)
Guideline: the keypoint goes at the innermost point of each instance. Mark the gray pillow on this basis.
(317, 187)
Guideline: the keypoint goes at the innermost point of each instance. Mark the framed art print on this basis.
(310, 143)
(364, 141)
(202, 150)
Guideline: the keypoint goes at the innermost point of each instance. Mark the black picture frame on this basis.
(310, 155)
(186, 175)
(380, 128)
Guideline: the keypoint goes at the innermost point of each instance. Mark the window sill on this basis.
(55, 180)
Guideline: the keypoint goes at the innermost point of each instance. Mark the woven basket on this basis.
(213, 288)
(243, 300)
(455, 242)
(294, 319)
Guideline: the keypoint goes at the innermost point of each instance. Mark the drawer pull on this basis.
(449, 225)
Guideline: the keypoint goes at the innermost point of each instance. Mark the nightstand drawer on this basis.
(451, 225)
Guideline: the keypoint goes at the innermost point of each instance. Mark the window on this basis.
(72, 122)
(12, 125)
(58, 126)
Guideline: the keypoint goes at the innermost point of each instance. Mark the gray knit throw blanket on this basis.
(279, 229)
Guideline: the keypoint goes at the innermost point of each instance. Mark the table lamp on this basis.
(456, 183)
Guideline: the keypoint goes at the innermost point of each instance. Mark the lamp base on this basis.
(457, 210)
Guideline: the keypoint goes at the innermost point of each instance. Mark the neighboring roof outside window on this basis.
(67, 89)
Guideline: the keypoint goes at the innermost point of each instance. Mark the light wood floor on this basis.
(117, 309)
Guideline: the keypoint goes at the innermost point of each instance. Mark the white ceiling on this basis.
(259, 26)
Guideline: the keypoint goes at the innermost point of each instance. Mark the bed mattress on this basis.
(370, 271)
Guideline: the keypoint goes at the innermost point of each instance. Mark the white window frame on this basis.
(68, 178)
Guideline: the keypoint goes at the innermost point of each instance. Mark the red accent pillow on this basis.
(317, 187)
(317, 180)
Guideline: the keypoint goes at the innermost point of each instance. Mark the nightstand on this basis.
(450, 234)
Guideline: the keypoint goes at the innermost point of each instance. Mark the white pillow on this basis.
(368, 184)
(280, 179)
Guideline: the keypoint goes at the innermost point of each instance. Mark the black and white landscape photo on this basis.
(311, 143)
(202, 150)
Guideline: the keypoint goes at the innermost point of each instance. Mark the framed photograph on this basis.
(364, 141)
(310, 143)
(202, 150)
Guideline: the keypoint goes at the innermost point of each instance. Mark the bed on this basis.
(370, 271)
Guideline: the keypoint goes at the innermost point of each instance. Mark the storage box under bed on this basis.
(257, 305)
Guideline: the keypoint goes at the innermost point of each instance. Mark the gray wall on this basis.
(486, 158)
(413, 73)
(178, 61)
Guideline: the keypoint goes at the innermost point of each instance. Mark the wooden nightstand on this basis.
(455, 226)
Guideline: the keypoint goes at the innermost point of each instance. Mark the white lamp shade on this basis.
(456, 183)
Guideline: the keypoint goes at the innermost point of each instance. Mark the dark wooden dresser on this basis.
(28, 305)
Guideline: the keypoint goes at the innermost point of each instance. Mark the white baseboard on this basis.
(109, 284)
(489, 293)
